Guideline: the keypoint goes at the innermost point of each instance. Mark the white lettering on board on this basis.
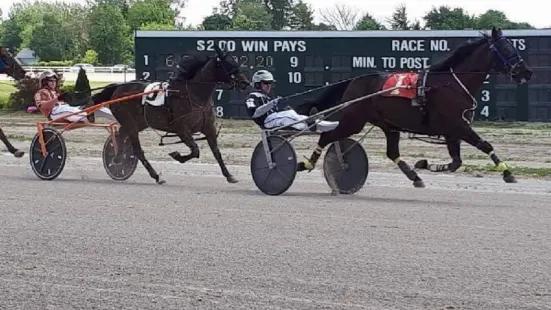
(289, 46)
(439, 46)
(389, 62)
(414, 62)
(408, 45)
(208, 45)
(254, 46)
(519, 44)
(363, 62)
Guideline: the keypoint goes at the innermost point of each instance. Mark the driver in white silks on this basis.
(263, 110)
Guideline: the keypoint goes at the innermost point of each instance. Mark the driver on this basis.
(263, 110)
(51, 104)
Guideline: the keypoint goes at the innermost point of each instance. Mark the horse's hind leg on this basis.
(471, 137)
(393, 153)
(9, 146)
(344, 129)
(138, 151)
(454, 149)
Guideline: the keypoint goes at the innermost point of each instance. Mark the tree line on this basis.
(102, 31)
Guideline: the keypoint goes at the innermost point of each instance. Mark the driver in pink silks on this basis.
(48, 101)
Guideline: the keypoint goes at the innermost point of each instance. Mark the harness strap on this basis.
(475, 103)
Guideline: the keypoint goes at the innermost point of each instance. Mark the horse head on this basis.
(226, 70)
(11, 66)
(507, 59)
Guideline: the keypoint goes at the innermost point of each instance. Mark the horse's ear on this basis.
(218, 51)
(495, 33)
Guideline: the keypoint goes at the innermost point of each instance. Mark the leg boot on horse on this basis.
(454, 149)
(16, 152)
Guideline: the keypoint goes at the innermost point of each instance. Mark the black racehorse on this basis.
(447, 110)
(9, 66)
(188, 107)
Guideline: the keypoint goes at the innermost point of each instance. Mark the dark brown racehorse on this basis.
(10, 66)
(188, 108)
(447, 111)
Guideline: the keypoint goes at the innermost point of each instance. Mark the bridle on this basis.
(233, 83)
(512, 63)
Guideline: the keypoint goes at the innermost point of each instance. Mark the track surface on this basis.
(197, 242)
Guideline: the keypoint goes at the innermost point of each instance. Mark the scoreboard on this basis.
(306, 60)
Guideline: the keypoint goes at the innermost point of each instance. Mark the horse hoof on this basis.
(174, 154)
(302, 167)
(161, 181)
(231, 179)
(510, 179)
(18, 153)
(335, 193)
(421, 164)
(419, 184)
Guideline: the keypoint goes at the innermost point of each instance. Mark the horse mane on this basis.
(459, 54)
(190, 64)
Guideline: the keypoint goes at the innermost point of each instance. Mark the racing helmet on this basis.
(262, 76)
(45, 75)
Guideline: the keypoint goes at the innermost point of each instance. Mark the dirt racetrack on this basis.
(84, 241)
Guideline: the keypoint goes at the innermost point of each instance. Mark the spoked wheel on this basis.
(50, 166)
(122, 166)
(346, 166)
(276, 179)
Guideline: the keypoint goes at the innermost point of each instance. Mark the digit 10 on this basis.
(294, 61)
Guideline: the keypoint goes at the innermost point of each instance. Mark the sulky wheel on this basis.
(349, 175)
(277, 179)
(120, 167)
(50, 166)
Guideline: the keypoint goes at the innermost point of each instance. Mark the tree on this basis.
(324, 27)
(280, 10)
(150, 11)
(109, 34)
(158, 26)
(399, 19)
(341, 16)
(445, 18)
(498, 19)
(368, 22)
(302, 17)
(82, 88)
(251, 15)
(48, 39)
(90, 57)
(217, 22)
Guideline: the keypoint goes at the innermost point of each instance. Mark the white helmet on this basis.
(262, 75)
(46, 74)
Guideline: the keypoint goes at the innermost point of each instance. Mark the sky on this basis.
(516, 10)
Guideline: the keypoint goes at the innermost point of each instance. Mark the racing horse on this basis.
(186, 108)
(440, 102)
(10, 66)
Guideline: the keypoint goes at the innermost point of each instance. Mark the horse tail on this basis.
(106, 94)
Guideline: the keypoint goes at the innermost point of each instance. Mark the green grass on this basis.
(525, 171)
(6, 88)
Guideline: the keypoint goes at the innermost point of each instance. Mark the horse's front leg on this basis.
(454, 149)
(393, 153)
(186, 137)
(9, 146)
(471, 137)
(210, 134)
